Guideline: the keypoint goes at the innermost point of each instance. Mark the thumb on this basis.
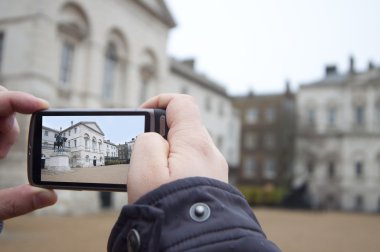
(149, 165)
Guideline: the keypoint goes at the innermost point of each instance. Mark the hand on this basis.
(188, 151)
(22, 199)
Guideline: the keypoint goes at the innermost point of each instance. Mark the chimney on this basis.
(371, 66)
(330, 70)
(352, 65)
(288, 91)
(189, 63)
(72, 123)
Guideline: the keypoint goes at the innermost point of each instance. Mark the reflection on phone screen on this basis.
(88, 149)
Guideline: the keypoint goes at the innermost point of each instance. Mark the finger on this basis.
(180, 109)
(9, 131)
(149, 165)
(24, 199)
(14, 101)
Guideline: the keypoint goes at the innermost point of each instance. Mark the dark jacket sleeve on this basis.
(164, 220)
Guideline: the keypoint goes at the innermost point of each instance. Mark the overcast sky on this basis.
(252, 44)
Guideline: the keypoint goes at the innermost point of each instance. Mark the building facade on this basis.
(68, 53)
(267, 138)
(84, 141)
(338, 140)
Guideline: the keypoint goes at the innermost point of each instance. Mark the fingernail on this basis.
(43, 197)
(10, 121)
(45, 102)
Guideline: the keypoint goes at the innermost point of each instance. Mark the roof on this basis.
(363, 78)
(186, 71)
(158, 9)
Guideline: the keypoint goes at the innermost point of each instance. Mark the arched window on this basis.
(93, 144)
(114, 85)
(86, 141)
(377, 115)
(73, 28)
(148, 75)
(100, 146)
(110, 68)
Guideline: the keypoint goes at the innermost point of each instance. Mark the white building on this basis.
(85, 143)
(338, 142)
(73, 55)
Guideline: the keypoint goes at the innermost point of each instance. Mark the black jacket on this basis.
(192, 214)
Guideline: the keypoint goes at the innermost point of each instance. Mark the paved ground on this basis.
(292, 231)
(116, 174)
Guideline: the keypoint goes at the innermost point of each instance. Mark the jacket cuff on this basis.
(167, 210)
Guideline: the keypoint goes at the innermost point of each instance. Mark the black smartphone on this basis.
(87, 149)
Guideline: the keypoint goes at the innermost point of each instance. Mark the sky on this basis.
(252, 45)
(118, 129)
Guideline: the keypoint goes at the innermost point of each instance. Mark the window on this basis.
(251, 116)
(86, 141)
(94, 144)
(184, 90)
(270, 115)
(311, 116)
(67, 59)
(75, 143)
(219, 142)
(331, 169)
(69, 132)
(358, 168)
(46, 133)
(148, 74)
(250, 140)
(331, 116)
(377, 114)
(359, 115)
(269, 141)
(310, 167)
(208, 104)
(359, 203)
(270, 168)
(75, 130)
(110, 68)
(221, 108)
(249, 167)
(1, 48)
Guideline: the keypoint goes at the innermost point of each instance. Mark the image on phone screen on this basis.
(88, 149)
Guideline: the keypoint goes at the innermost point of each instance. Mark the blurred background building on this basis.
(338, 140)
(267, 144)
(93, 53)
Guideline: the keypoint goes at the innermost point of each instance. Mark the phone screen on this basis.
(93, 151)
(88, 149)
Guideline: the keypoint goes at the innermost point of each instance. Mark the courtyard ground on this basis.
(293, 231)
(115, 174)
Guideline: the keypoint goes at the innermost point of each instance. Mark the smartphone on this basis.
(87, 149)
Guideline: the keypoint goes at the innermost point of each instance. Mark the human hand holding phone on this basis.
(188, 151)
(22, 199)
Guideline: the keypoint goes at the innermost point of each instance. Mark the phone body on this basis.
(87, 149)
